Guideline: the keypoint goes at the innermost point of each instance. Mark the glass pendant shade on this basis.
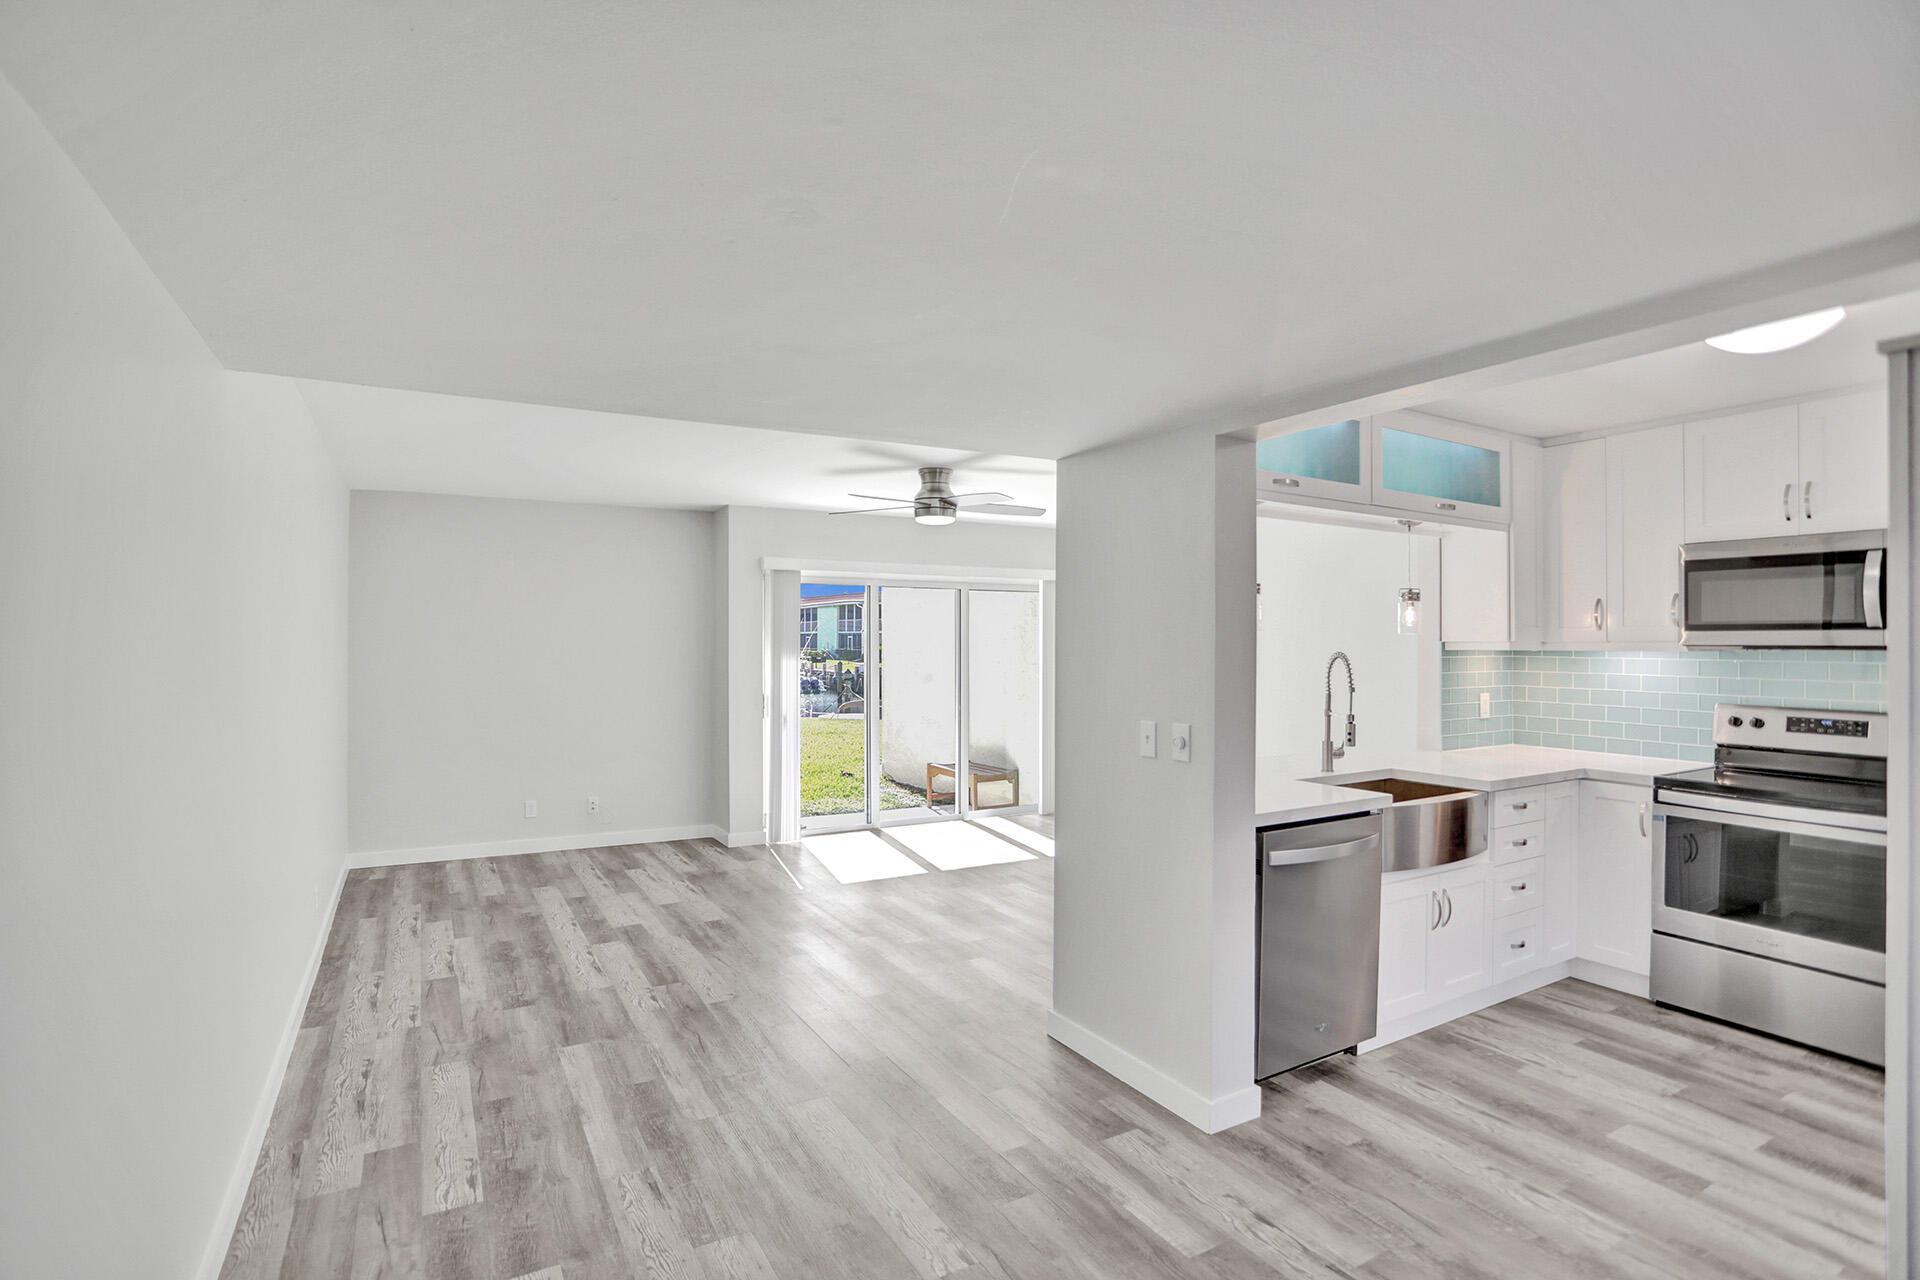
(1406, 616)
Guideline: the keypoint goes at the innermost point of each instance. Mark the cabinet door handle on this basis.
(1599, 614)
(1287, 481)
(1446, 896)
(1446, 506)
(1786, 501)
(1643, 821)
(1806, 501)
(1436, 911)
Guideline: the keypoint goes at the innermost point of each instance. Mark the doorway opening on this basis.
(916, 702)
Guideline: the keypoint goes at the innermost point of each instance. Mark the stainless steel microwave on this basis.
(1814, 591)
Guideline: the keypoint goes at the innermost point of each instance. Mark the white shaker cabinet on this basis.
(1457, 954)
(1741, 472)
(1405, 920)
(1616, 875)
(1815, 467)
(1574, 520)
(1646, 500)
(1843, 463)
(1434, 939)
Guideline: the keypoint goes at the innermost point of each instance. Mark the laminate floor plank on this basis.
(682, 1060)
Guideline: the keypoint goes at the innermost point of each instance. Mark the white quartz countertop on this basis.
(1293, 789)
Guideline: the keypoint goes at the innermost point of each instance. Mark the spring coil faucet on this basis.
(1328, 752)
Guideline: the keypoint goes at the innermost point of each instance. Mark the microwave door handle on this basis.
(1870, 590)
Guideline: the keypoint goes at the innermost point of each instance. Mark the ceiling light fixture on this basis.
(1778, 335)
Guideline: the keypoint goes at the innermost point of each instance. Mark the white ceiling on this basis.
(422, 442)
(1000, 225)
(1693, 379)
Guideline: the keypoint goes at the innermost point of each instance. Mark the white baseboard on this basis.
(236, 1197)
(738, 839)
(1473, 1002)
(533, 844)
(1625, 981)
(1209, 1115)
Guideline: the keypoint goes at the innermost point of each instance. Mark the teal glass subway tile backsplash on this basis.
(1648, 704)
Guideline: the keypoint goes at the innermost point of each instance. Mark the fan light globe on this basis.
(1778, 335)
(933, 519)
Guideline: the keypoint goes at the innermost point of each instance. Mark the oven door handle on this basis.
(1756, 822)
(1870, 590)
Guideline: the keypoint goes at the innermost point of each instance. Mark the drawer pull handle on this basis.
(1521, 843)
(1287, 481)
(1517, 946)
(1518, 807)
(1521, 887)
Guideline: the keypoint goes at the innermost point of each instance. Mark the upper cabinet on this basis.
(1612, 530)
(1440, 470)
(1332, 461)
(1393, 462)
(1817, 467)
(1843, 463)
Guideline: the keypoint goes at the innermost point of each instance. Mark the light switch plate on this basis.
(1182, 741)
(1149, 739)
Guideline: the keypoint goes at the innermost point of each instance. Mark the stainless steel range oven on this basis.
(1814, 591)
(1770, 879)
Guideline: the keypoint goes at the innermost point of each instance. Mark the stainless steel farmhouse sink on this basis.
(1426, 825)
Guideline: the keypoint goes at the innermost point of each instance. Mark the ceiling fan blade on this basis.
(978, 499)
(1006, 509)
(879, 497)
(864, 511)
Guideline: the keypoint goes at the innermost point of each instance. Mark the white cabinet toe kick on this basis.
(1563, 889)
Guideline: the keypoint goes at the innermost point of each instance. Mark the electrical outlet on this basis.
(1486, 705)
(593, 804)
(533, 809)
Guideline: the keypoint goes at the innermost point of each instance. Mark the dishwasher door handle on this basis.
(1321, 853)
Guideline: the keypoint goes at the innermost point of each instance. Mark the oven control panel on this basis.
(1844, 733)
(1831, 725)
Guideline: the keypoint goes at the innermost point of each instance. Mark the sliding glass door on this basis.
(917, 701)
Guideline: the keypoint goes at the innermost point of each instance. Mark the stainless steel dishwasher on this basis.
(1319, 941)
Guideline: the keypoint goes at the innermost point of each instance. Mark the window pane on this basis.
(919, 698)
(1003, 697)
(1447, 469)
(833, 685)
(1331, 452)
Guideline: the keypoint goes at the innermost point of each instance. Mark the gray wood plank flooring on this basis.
(688, 1061)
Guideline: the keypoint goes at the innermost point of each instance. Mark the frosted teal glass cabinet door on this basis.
(1331, 461)
(1441, 475)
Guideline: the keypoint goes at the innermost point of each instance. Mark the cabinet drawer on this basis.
(1517, 944)
(1520, 886)
(1526, 840)
(1523, 804)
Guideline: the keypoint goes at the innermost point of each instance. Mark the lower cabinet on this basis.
(1434, 943)
(1446, 934)
(1616, 875)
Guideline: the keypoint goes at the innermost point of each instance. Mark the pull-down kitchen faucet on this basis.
(1328, 752)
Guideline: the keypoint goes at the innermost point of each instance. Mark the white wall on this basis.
(172, 741)
(1325, 587)
(1154, 879)
(750, 535)
(505, 651)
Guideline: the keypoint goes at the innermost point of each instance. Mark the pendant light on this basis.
(1406, 611)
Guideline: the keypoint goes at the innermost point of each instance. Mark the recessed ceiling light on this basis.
(1779, 335)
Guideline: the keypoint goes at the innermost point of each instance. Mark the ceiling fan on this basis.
(937, 503)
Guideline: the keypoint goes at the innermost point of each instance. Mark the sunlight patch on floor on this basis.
(1020, 835)
(856, 856)
(953, 846)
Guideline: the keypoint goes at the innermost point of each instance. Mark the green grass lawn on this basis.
(833, 770)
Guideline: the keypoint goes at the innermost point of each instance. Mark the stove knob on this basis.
(1735, 721)
(1758, 723)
